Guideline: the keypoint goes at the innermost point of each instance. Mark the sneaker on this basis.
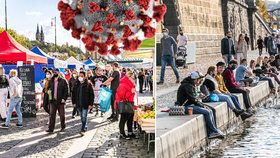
(216, 135)
(49, 131)
(62, 129)
(4, 126)
(101, 114)
(19, 125)
(114, 119)
(124, 136)
(237, 112)
(246, 115)
(133, 136)
(111, 117)
(82, 133)
(96, 114)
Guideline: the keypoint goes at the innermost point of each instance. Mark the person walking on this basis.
(48, 78)
(260, 44)
(272, 45)
(4, 84)
(72, 82)
(227, 47)
(265, 41)
(113, 81)
(83, 98)
(247, 39)
(141, 78)
(16, 92)
(241, 49)
(168, 45)
(125, 93)
(97, 81)
(58, 95)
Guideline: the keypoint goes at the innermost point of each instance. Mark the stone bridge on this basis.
(206, 21)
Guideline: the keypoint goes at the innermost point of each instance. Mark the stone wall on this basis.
(202, 21)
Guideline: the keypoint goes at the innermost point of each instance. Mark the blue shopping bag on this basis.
(105, 99)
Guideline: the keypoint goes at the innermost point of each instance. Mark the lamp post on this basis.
(6, 25)
(54, 32)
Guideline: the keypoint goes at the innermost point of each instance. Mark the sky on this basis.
(24, 15)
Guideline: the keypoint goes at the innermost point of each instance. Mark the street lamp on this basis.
(54, 32)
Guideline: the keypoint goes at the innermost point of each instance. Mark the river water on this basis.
(259, 137)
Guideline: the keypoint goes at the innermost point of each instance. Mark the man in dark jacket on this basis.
(58, 95)
(227, 47)
(186, 96)
(83, 98)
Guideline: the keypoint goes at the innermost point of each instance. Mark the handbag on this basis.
(125, 106)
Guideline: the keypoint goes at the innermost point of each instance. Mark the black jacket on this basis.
(225, 46)
(87, 94)
(187, 92)
(72, 82)
(62, 91)
(210, 85)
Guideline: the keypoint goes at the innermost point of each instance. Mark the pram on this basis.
(181, 57)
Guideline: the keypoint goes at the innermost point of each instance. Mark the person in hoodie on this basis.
(83, 98)
(16, 91)
(212, 85)
(235, 87)
(126, 92)
(187, 96)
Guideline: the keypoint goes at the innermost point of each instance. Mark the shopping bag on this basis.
(105, 99)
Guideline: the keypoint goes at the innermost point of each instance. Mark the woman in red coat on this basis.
(126, 92)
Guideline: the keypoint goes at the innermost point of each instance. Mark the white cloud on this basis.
(33, 13)
(2, 19)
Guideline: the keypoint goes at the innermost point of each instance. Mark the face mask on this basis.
(48, 76)
(165, 34)
(75, 75)
(228, 37)
(66, 73)
(81, 79)
(233, 67)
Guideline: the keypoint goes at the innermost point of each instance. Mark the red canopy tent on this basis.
(11, 51)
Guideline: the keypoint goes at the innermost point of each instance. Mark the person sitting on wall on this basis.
(268, 70)
(235, 87)
(211, 84)
(187, 97)
(241, 72)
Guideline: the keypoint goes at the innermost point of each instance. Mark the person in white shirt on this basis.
(182, 40)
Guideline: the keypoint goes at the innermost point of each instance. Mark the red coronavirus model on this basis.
(107, 26)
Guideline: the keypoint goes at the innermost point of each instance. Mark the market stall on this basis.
(11, 52)
(90, 64)
(73, 63)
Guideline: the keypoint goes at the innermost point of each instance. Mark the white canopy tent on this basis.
(74, 61)
(60, 63)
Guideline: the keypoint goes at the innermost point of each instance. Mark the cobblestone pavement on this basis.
(33, 141)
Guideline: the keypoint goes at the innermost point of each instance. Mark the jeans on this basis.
(141, 82)
(270, 83)
(235, 100)
(3, 103)
(227, 99)
(83, 114)
(168, 59)
(208, 116)
(128, 119)
(113, 97)
(15, 102)
(239, 57)
(227, 58)
(245, 95)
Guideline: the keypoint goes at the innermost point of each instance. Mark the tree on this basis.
(263, 9)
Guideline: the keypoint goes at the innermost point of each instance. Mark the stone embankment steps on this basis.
(178, 136)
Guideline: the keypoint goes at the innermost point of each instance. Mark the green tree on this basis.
(263, 9)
